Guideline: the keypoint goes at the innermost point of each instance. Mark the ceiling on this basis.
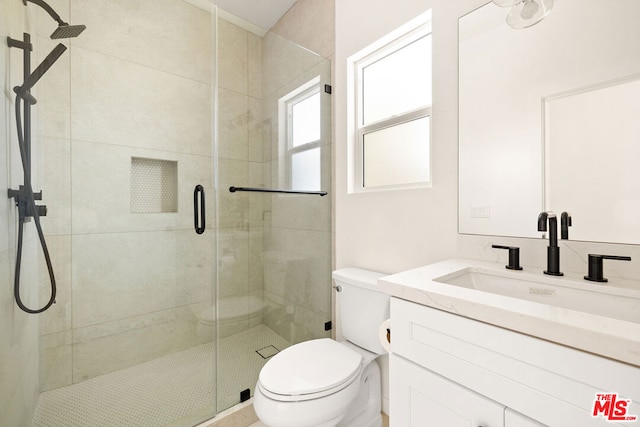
(263, 13)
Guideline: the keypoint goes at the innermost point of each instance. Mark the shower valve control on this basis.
(25, 209)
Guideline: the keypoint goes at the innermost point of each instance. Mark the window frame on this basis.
(409, 33)
(285, 111)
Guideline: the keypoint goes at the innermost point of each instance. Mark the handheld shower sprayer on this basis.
(23, 91)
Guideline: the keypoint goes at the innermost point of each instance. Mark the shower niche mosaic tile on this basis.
(154, 185)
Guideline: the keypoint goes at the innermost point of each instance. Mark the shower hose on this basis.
(26, 166)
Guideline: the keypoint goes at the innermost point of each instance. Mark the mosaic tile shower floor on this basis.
(174, 390)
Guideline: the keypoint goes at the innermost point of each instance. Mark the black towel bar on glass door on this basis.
(270, 190)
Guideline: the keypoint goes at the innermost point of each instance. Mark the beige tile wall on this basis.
(164, 35)
(310, 23)
(240, 165)
(297, 264)
(274, 245)
(127, 101)
(297, 282)
(131, 79)
(136, 83)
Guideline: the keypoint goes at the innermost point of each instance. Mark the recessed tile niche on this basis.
(154, 185)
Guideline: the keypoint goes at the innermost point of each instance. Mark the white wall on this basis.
(397, 230)
(391, 231)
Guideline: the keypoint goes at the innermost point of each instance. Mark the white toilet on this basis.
(325, 383)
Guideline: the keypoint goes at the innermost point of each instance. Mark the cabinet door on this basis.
(516, 419)
(421, 398)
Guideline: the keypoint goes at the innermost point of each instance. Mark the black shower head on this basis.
(23, 91)
(66, 31)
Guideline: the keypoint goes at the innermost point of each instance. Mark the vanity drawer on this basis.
(551, 383)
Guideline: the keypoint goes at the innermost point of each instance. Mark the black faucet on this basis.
(553, 251)
(565, 223)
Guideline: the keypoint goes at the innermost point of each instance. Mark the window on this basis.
(390, 106)
(300, 113)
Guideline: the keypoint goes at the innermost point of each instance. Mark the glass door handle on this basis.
(198, 209)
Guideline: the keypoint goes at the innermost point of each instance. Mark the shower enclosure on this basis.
(139, 131)
(273, 249)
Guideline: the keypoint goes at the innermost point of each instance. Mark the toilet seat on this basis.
(310, 370)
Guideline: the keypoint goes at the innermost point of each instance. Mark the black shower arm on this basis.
(47, 8)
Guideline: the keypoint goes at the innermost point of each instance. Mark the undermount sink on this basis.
(563, 292)
(603, 319)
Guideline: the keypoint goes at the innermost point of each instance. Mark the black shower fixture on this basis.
(64, 30)
(24, 90)
(25, 198)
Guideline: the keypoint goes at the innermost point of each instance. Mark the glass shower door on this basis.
(124, 139)
(274, 249)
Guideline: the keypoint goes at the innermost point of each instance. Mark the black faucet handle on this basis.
(514, 256)
(596, 273)
(565, 223)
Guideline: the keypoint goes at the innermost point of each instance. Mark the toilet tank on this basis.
(362, 307)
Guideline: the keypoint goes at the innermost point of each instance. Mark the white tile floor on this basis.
(173, 390)
(240, 364)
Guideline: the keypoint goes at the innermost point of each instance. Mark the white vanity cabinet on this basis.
(514, 419)
(447, 370)
(421, 398)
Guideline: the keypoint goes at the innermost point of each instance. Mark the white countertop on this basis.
(605, 336)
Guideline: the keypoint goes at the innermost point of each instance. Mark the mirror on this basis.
(548, 120)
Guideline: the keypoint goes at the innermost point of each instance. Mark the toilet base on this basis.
(365, 410)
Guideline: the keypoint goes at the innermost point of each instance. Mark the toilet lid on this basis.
(310, 367)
